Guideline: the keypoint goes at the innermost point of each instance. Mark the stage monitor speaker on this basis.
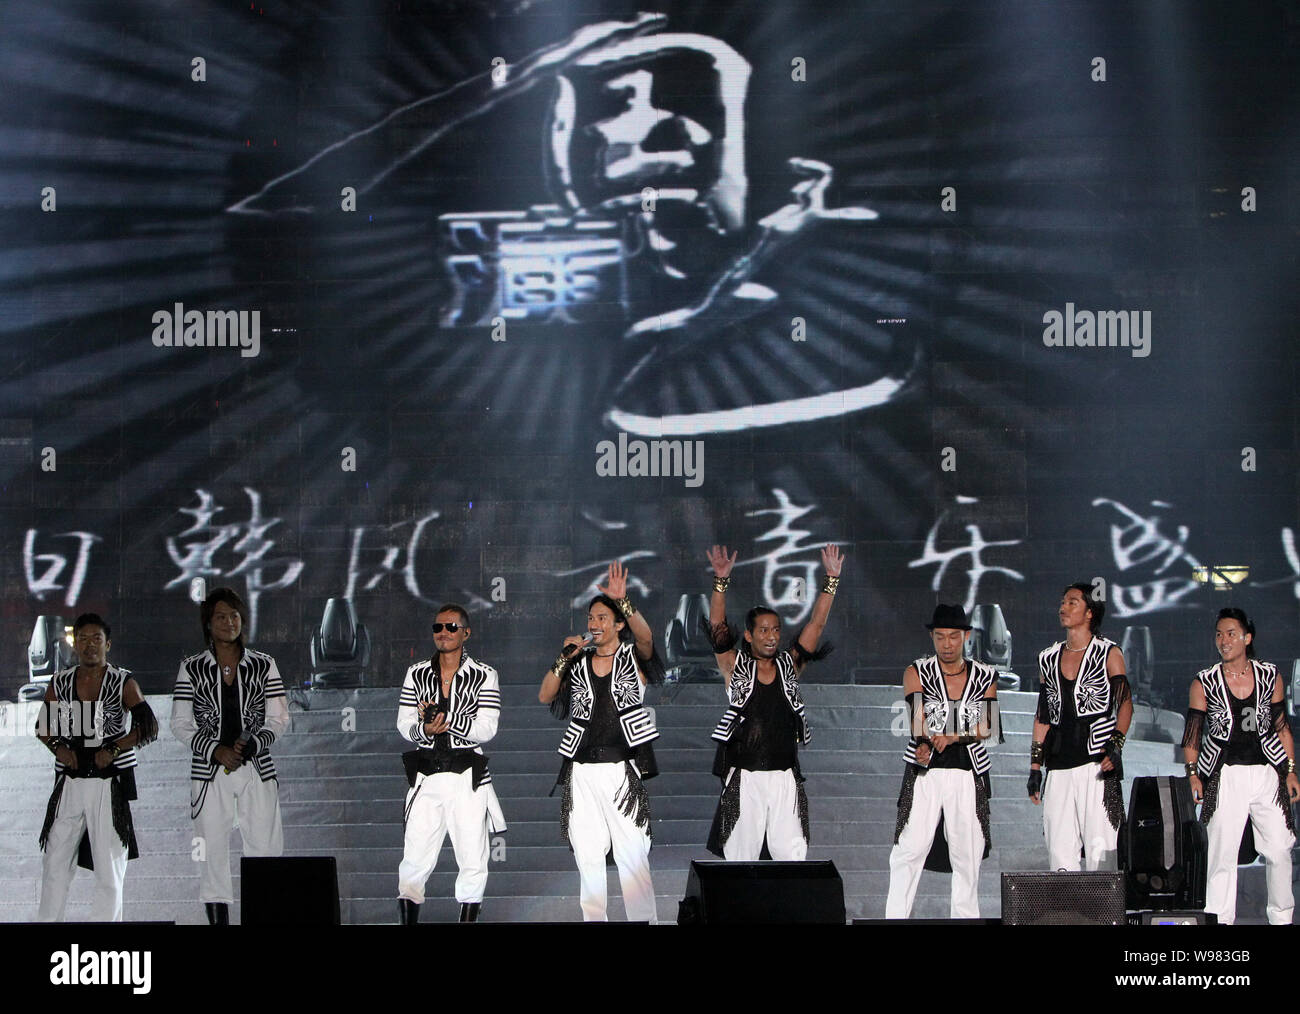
(1163, 848)
(720, 893)
(1063, 899)
(289, 891)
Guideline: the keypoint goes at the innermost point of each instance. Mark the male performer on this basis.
(1240, 760)
(598, 683)
(1084, 711)
(83, 722)
(228, 708)
(764, 724)
(946, 780)
(448, 708)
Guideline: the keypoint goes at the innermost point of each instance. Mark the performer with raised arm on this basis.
(228, 708)
(598, 682)
(764, 724)
(1084, 711)
(449, 707)
(88, 819)
(946, 779)
(1240, 761)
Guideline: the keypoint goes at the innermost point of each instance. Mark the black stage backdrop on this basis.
(995, 296)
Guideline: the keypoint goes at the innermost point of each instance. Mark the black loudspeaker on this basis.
(289, 891)
(1163, 848)
(1063, 899)
(719, 892)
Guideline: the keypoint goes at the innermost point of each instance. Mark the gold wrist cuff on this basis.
(625, 606)
(721, 584)
(830, 584)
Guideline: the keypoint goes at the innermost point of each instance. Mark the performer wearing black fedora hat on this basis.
(952, 704)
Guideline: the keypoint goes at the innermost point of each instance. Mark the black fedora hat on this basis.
(949, 618)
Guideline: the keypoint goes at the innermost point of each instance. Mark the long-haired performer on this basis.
(229, 707)
(764, 724)
(1240, 761)
(449, 707)
(88, 819)
(1084, 711)
(946, 781)
(598, 683)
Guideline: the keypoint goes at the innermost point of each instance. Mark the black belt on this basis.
(603, 755)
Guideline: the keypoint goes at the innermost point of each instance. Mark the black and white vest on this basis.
(199, 682)
(107, 713)
(474, 686)
(937, 707)
(1092, 692)
(1218, 717)
(741, 688)
(634, 719)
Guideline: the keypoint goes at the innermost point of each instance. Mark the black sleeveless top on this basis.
(1070, 742)
(768, 738)
(956, 757)
(1243, 745)
(603, 741)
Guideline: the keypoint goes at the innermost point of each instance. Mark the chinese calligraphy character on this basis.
(1292, 558)
(974, 549)
(599, 572)
(784, 591)
(197, 556)
(394, 558)
(1140, 542)
(55, 564)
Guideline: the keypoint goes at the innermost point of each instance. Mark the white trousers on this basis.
(597, 825)
(1247, 792)
(952, 794)
(86, 805)
(239, 799)
(1074, 818)
(769, 807)
(438, 805)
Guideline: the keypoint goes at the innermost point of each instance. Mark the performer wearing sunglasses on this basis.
(448, 708)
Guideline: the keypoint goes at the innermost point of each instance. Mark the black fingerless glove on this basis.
(1035, 785)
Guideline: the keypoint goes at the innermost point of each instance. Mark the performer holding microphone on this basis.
(598, 682)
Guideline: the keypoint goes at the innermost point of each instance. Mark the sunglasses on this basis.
(450, 627)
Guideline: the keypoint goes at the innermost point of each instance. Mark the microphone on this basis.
(569, 649)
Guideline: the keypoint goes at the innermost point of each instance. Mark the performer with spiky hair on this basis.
(1240, 761)
(760, 732)
(88, 819)
(1084, 711)
(228, 707)
(598, 683)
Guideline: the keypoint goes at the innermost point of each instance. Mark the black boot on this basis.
(409, 912)
(218, 913)
(469, 911)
